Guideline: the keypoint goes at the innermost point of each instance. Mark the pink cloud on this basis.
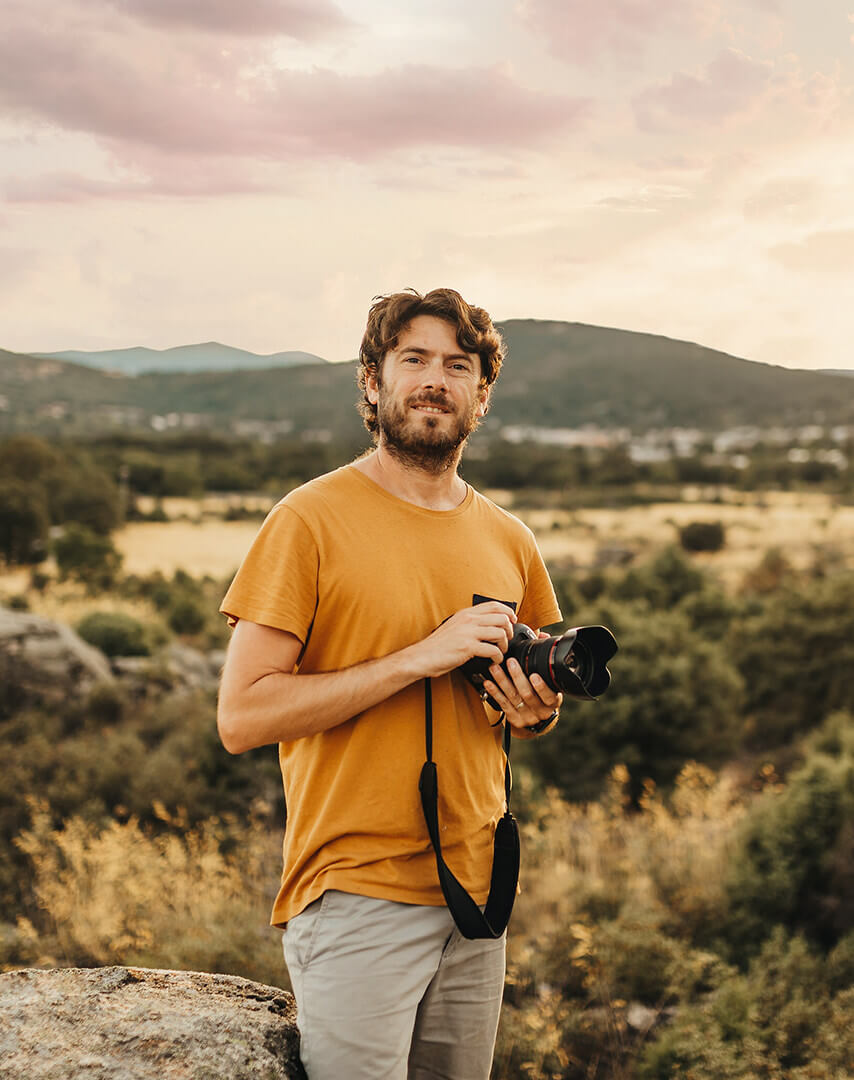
(581, 31)
(179, 94)
(732, 84)
(734, 88)
(307, 20)
(586, 28)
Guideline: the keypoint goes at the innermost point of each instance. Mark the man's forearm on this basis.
(280, 706)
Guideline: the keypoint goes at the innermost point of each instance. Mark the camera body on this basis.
(573, 663)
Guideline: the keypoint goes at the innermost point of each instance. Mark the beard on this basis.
(421, 440)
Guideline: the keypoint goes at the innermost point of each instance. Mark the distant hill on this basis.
(836, 371)
(557, 374)
(208, 356)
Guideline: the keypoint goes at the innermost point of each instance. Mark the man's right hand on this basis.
(483, 630)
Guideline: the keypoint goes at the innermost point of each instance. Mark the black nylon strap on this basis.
(471, 921)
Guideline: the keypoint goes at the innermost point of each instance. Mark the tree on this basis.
(24, 522)
(84, 556)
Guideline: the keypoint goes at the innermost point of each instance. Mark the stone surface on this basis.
(124, 1023)
(46, 659)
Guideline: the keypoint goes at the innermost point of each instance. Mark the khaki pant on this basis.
(389, 991)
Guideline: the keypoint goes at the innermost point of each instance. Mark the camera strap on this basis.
(471, 921)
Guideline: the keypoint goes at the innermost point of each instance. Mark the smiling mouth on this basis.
(434, 410)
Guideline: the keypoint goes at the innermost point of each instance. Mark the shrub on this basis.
(115, 633)
(791, 865)
(675, 696)
(796, 653)
(702, 536)
(187, 615)
(125, 895)
(24, 522)
(84, 556)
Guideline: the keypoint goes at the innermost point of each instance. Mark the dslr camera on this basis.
(573, 663)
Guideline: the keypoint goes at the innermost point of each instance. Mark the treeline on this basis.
(95, 483)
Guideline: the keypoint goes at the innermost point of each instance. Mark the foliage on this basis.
(796, 654)
(115, 633)
(84, 556)
(194, 898)
(24, 522)
(702, 536)
(780, 1020)
(792, 865)
(675, 695)
(112, 756)
(65, 481)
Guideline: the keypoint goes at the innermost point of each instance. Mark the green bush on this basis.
(662, 582)
(780, 1020)
(796, 654)
(675, 696)
(115, 633)
(702, 536)
(24, 522)
(792, 864)
(187, 615)
(87, 557)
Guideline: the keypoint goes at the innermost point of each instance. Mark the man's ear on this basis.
(372, 388)
(483, 405)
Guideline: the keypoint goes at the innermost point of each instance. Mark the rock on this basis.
(125, 1023)
(47, 660)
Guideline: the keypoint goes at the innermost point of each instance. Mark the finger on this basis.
(551, 698)
(495, 607)
(489, 652)
(504, 683)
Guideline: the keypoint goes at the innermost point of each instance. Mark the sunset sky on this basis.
(253, 172)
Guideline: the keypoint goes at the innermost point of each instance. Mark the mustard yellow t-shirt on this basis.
(356, 573)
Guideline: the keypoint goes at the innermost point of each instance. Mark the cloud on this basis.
(830, 251)
(580, 32)
(308, 20)
(731, 84)
(783, 198)
(181, 95)
(191, 178)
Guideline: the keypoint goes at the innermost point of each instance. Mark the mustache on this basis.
(439, 400)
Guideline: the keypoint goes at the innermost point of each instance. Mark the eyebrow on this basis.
(445, 356)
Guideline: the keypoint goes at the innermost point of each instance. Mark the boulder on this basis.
(126, 1023)
(47, 660)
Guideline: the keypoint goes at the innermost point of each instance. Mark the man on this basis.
(361, 585)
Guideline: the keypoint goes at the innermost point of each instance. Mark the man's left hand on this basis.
(525, 702)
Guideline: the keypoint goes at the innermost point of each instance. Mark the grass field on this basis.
(804, 526)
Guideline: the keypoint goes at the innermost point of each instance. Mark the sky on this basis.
(176, 171)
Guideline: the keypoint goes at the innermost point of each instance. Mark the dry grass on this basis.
(802, 525)
(124, 895)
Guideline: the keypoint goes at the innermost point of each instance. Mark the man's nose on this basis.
(435, 377)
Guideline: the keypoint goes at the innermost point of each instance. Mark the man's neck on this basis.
(444, 490)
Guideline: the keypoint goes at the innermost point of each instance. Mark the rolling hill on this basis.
(557, 374)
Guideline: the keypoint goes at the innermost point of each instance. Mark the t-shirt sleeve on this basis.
(276, 584)
(539, 605)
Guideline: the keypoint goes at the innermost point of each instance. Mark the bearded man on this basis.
(363, 587)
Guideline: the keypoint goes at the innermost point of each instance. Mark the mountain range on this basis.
(556, 375)
(207, 356)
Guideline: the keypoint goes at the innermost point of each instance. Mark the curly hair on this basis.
(391, 314)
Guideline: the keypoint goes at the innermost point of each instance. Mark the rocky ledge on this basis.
(125, 1023)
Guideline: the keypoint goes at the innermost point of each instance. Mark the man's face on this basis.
(428, 395)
